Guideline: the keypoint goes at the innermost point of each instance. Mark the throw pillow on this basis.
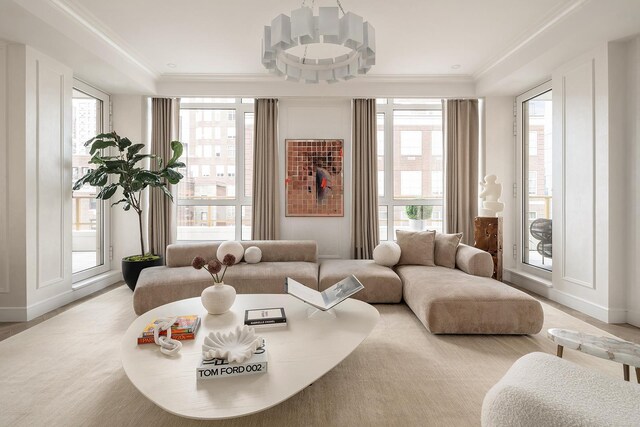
(230, 247)
(416, 247)
(446, 249)
(252, 255)
(387, 254)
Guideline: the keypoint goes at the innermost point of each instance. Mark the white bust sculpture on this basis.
(491, 191)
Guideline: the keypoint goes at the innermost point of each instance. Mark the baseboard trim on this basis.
(633, 317)
(13, 314)
(79, 290)
(542, 288)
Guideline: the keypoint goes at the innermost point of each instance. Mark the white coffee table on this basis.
(298, 355)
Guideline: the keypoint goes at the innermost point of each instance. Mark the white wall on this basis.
(500, 161)
(35, 169)
(4, 261)
(595, 168)
(38, 203)
(631, 109)
(130, 120)
(318, 118)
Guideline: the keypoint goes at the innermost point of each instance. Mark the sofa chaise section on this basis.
(452, 301)
(178, 280)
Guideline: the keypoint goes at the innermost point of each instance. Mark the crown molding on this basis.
(266, 78)
(87, 20)
(531, 34)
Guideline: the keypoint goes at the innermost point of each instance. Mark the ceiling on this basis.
(132, 45)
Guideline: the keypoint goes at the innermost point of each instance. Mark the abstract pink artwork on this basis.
(314, 177)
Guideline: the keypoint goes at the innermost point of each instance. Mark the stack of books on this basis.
(265, 318)
(184, 328)
(220, 368)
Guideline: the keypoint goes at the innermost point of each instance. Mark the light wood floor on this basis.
(622, 330)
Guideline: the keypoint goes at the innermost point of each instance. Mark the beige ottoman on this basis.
(381, 284)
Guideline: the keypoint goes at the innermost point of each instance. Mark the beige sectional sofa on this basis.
(178, 280)
(465, 300)
(461, 300)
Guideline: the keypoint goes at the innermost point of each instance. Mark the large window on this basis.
(214, 198)
(89, 229)
(535, 130)
(410, 165)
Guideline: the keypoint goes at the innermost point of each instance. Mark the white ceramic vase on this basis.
(219, 298)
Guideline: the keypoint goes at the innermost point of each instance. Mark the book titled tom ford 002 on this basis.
(219, 368)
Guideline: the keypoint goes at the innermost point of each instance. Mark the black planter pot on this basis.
(131, 270)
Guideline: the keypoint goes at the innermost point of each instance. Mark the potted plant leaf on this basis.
(417, 215)
(130, 175)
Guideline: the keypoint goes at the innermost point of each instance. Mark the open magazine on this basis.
(329, 297)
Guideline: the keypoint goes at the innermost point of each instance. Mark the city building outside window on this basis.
(410, 165)
(535, 172)
(90, 217)
(208, 205)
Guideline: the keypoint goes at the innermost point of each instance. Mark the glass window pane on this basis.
(381, 100)
(248, 100)
(382, 222)
(413, 165)
(206, 222)
(248, 154)
(417, 218)
(380, 149)
(246, 223)
(537, 177)
(198, 153)
(86, 234)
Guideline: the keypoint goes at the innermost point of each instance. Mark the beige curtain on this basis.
(164, 129)
(364, 230)
(265, 224)
(461, 165)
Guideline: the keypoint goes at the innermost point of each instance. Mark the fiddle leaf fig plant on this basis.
(129, 174)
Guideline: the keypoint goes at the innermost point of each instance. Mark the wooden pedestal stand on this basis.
(488, 237)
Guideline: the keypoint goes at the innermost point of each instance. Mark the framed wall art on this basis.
(314, 180)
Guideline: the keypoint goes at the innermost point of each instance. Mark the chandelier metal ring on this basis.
(305, 28)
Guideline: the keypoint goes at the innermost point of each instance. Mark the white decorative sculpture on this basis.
(168, 346)
(235, 346)
(491, 191)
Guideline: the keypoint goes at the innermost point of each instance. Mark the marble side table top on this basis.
(615, 349)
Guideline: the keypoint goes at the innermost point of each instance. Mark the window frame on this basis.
(521, 211)
(105, 126)
(387, 107)
(240, 199)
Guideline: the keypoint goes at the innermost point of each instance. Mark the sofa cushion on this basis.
(181, 254)
(381, 284)
(474, 261)
(446, 247)
(417, 247)
(161, 285)
(449, 301)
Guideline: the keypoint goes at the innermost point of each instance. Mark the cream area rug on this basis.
(66, 371)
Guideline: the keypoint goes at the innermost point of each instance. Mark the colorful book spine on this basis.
(179, 337)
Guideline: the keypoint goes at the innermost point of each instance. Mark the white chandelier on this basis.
(303, 28)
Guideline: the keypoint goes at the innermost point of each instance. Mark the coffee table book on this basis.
(265, 317)
(328, 298)
(220, 368)
(184, 328)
